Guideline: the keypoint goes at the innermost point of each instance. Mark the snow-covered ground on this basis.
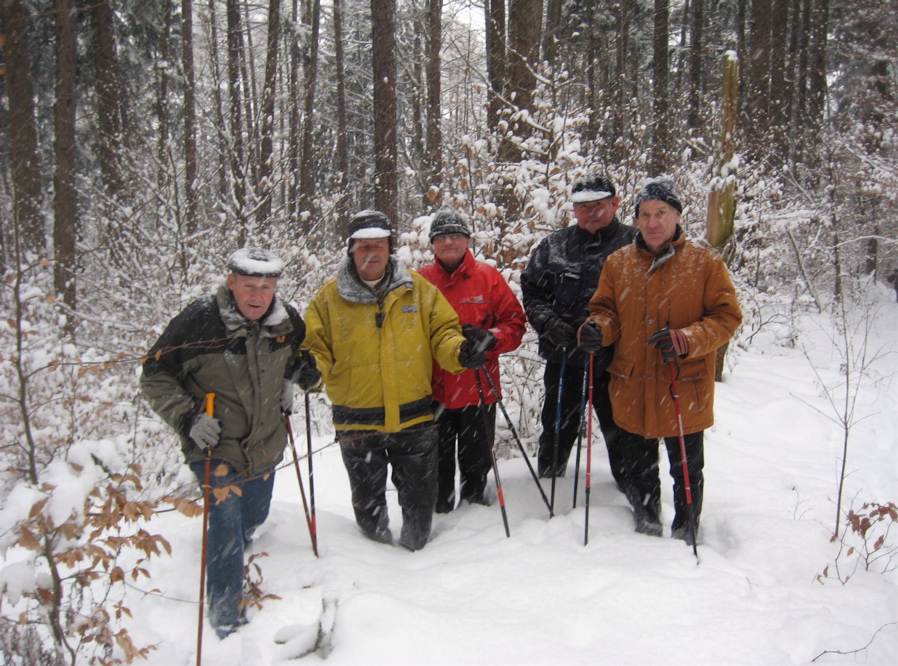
(473, 596)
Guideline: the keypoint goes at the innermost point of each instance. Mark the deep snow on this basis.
(474, 596)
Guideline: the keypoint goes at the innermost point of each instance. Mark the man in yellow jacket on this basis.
(374, 331)
(662, 299)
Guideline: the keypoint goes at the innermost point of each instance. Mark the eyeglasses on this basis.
(447, 238)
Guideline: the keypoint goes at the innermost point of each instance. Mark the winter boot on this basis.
(646, 510)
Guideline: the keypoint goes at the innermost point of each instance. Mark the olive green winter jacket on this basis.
(210, 347)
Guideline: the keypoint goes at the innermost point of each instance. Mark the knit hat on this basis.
(591, 187)
(447, 220)
(255, 262)
(660, 189)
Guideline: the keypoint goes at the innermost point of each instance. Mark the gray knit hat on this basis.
(659, 189)
(447, 220)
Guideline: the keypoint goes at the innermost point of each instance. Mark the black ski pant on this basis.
(412, 454)
(465, 427)
(636, 461)
(571, 399)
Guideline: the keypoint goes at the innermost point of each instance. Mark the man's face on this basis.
(253, 295)
(371, 256)
(657, 222)
(450, 249)
(593, 215)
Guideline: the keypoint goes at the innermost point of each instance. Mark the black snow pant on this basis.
(412, 453)
(571, 398)
(636, 461)
(466, 427)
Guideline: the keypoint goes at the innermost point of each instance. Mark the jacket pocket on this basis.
(695, 384)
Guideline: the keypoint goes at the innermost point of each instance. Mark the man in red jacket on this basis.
(482, 298)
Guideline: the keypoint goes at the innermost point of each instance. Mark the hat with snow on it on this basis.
(446, 221)
(659, 189)
(592, 187)
(369, 224)
(255, 262)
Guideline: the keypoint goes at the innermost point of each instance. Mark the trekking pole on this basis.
(314, 522)
(517, 439)
(681, 434)
(557, 426)
(207, 482)
(302, 490)
(580, 430)
(588, 453)
(486, 425)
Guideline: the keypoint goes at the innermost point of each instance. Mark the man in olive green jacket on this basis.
(238, 343)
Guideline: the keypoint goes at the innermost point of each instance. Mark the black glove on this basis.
(469, 357)
(671, 342)
(481, 338)
(590, 337)
(205, 431)
(560, 333)
(305, 372)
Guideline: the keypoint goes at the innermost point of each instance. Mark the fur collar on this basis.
(234, 319)
(351, 288)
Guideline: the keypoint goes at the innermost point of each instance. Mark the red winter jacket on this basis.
(479, 294)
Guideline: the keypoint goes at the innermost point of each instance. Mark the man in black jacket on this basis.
(557, 284)
(239, 343)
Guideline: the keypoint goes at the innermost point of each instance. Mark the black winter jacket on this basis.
(562, 276)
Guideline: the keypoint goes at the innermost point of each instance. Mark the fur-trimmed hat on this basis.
(255, 262)
(592, 187)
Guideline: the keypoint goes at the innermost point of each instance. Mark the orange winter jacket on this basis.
(686, 287)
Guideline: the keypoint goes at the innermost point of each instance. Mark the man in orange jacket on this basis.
(661, 299)
(482, 299)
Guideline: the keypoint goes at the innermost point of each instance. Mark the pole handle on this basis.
(210, 404)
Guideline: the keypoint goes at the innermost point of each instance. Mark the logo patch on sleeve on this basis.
(409, 308)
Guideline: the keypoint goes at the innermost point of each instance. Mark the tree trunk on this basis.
(696, 85)
(342, 142)
(524, 23)
(780, 88)
(495, 61)
(221, 143)
(619, 83)
(386, 153)
(162, 69)
(65, 226)
(659, 159)
(721, 200)
(190, 196)
(307, 167)
(758, 88)
(236, 125)
(434, 134)
(817, 74)
(265, 186)
(552, 32)
(108, 107)
(25, 162)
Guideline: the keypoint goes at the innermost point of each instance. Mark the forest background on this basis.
(141, 141)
